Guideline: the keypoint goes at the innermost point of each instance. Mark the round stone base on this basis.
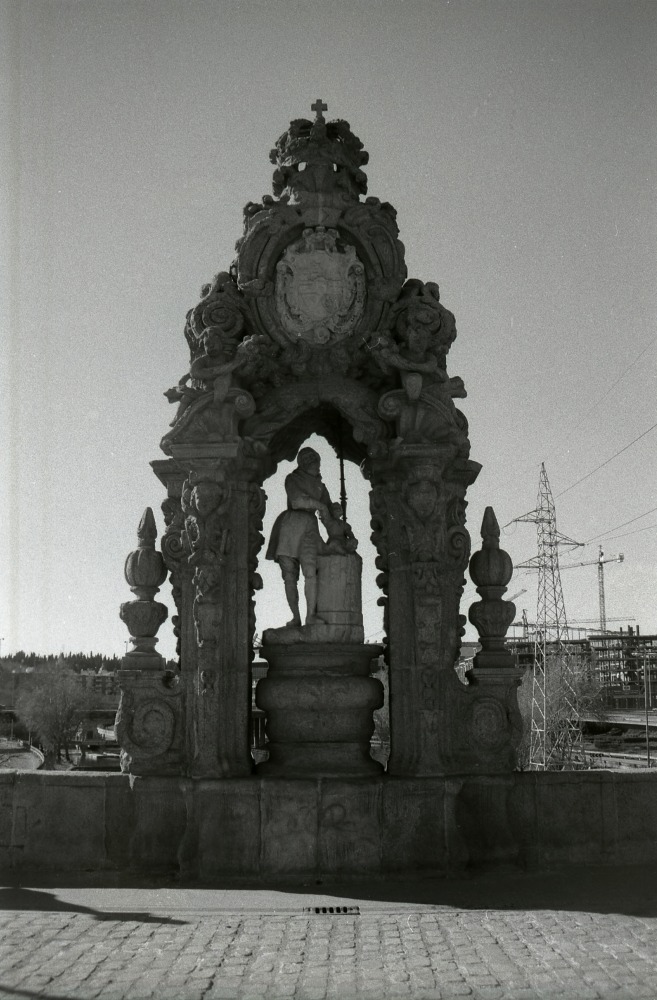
(319, 700)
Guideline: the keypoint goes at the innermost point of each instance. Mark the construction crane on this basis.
(525, 630)
(600, 563)
(571, 621)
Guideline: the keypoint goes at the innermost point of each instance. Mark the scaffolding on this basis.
(625, 666)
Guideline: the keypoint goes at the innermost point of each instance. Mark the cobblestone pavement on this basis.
(59, 949)
(424, 956)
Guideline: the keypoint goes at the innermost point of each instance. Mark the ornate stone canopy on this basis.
(315, 327)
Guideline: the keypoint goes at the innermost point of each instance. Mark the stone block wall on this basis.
(367, 827)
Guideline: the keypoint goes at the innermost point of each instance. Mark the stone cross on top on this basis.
(318, 107)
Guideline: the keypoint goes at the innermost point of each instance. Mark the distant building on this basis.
(104, 686)
(624, 663)
(105, 682)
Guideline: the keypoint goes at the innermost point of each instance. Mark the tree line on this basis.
(73, 661)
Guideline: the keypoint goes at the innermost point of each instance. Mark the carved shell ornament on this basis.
(320, 288)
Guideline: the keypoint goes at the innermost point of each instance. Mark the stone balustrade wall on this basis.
(57, 821)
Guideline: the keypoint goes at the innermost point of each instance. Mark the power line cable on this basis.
(617, 526)
(620, 377)
(591, 409)
(635, 532)
(602, 465)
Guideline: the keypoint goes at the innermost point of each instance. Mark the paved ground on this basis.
(587, 933)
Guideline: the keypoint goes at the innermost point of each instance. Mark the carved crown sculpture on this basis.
(145, 572)
(491, 569)
(318, 156)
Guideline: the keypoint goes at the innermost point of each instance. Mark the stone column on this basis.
(214, 563)
(418, 520)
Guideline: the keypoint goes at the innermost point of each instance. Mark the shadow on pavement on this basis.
(630, 890)
(13, 991)
(20, 898)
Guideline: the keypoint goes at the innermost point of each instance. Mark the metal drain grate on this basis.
(321, 910)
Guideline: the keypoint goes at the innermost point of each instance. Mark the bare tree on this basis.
(582, 692)
(54, 707)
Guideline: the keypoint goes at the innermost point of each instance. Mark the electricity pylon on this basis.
(555, 737)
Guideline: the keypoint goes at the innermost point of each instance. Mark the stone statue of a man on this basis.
(295, 541)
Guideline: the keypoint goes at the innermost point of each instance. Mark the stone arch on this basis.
(337, 405)
(340, 412)
(319, 429)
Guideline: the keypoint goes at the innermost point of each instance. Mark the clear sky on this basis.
(517, 141)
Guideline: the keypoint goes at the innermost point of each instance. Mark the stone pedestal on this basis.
(339, 596)
(149, 720)
(319, 700)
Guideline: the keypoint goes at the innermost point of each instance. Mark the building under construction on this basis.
(623, 664)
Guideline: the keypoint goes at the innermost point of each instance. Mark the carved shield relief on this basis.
(320, 288)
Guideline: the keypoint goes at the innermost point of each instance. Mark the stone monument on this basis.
(315, 328)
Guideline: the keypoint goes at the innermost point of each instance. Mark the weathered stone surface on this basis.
(59, 821)
(412, 825)
(289, 824)
(66, 821)
(493, 840)
(572, 823)
(225, 810)
(339, 601)
(158, 825)
(349, 826)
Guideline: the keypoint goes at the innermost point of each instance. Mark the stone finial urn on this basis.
(491, 570)
(145, 572)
